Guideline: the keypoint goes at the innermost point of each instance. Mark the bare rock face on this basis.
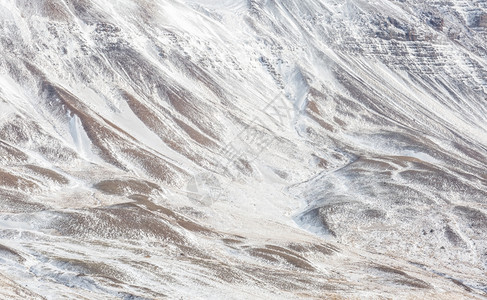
(243, 149)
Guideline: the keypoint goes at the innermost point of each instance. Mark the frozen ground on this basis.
(243, 149)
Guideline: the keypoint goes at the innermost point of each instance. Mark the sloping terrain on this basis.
(243, 149)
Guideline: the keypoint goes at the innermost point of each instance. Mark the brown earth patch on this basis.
(198, 73)
(313, 107)
(291, 280)
(326, 249)
(169, 136)
(48, 174)
(144, 201)
(231, 241)
(276, 256)
(169, 215)
(68, 104)
(10, 288)
(339, 122)
(373, 213)
(184, 103)
(321, 162)
(9, 180)
(14, 202)
(6, 251)
(301, 248)
(194, 227)
(55, 10)
(24, 132)
(402, 278)
(122, 221)
(283, 250)
(14, 132)
(86, 267)
(154, 166)
(57, 153)
(322, 123)
(218, 269)
(195, 135)
(123, 187)
(51, 9)
(403, 161)
(243, 166)
(459, 283)
(11, 154)
(369, 163)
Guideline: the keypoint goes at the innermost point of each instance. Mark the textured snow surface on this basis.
(243, 149)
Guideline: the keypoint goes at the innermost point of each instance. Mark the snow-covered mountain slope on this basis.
(243, 149)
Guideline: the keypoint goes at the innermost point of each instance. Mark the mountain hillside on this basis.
(243, 149)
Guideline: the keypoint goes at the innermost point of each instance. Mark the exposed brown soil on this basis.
(9, 288)
(15, 202)
(154, 166)
(313, 107)
(23, 132)
(276, 256)
(99, 134)
(48, 174)
(198, 73)
(169, 136)
(232, 241)
(195, 135)
(459, 283)
(11, 154)
(283, 250)
(326, 249)
(178, 219)
(339, 122)
(301, 248)
(244, 166)
(218, 269)
(414, 282)
(403, 161)
(6, 251)
(123, 221)
(123, 187)
(292, 280)
(51, 9)
(322, 123)
(402, 278)
(185, 104)
(16, 182)
(86, 267)
(321, 162)
(57, 153)
(370, 163)
(145, 202)
(194, 227)
(14, 132)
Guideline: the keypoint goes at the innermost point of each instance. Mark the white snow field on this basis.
(260, 149)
